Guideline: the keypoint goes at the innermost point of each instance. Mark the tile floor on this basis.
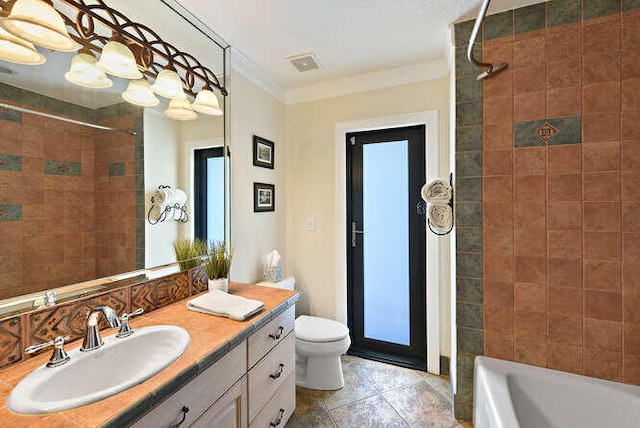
(377, 395)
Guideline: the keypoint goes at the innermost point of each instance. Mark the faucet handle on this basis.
(125, 329)
(58, 357)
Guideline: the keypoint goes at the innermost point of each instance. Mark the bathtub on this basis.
(512, 395)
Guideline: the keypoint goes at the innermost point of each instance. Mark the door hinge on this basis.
(354, 234)
(353, 141)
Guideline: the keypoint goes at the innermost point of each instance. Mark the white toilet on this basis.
(319, 344)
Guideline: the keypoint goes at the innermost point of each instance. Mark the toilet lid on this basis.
(315, 329)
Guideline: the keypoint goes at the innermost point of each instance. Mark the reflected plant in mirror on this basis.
(189, 252)
(78, 160)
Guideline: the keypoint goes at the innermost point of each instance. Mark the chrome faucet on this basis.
(93, 340)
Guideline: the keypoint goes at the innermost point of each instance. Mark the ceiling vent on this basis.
(304, 62)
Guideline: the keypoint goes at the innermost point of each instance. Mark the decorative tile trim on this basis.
(116, 169)
(563, 130)
(10, 162)
(56, 167)
(498, 25)
(563, 12)
(160, 292)
(12, 115)
(530, 18)
(198, 280)
(630, 5)
(10, 341)
(597, 8)
(10, 212)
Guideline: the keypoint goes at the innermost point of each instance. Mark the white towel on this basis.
(440, 217)
(437, 190)
(222, 304)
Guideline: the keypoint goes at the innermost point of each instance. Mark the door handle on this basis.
(354, 234)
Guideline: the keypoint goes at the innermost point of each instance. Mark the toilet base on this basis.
(318, 365)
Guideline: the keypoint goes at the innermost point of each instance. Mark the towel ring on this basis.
(169, 211)
(450, 203)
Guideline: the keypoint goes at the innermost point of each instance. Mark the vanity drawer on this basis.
(270, 373)
(278, 410)
(270, 335)
(199, 394)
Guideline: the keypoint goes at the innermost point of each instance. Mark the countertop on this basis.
(211, 338)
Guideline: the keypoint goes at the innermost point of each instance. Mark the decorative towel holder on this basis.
(175, 211)
(422, 207)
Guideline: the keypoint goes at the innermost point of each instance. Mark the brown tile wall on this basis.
(562, 267)
(69, 319)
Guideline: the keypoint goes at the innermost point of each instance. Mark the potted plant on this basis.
(189, 253)
(217, 263)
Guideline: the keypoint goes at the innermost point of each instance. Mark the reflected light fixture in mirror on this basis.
(118, 60)
(36, 21)
(207, 103)
(83, 72)
(18, 51)
(139, 93)
(180, 109)
(168, 85)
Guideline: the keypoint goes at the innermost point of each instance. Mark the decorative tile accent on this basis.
(463, 32)
(445, 362)
(71, 319)
(468, 89)
(10, 341)
(469, 189)
(10, 162)
(56, 167)
(525, 133)
(530, 18)
(116, 169)
(468, 138)
(464, 68)
(569, 130)
(161, 292)
(198, 280)
(498, 25)
(596, 8)
(12, 115)
(469, 164)
(469, 240)
(546, 132)
(560, 12)
(630, 5)
(469, 265)
(10, 212)
(470, 341)
(469, 315)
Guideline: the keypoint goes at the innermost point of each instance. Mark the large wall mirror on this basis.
(79, 164)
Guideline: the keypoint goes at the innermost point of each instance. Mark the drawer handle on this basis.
(278, 420)
(277, 374)
(184, 412)
(278, 334)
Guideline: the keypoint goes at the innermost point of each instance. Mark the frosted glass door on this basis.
(386, 241)
(215, 198)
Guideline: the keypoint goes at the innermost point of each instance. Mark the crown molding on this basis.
(253, 73)
(431, 70)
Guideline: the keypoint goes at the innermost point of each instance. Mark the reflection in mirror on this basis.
(79, 164)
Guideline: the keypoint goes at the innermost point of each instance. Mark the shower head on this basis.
(491, 71)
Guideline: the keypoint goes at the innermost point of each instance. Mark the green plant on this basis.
(218, 260)
(189, 253)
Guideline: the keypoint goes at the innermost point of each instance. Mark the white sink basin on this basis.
(92, 376)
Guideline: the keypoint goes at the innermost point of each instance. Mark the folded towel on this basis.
(222, 304)
(440, 217)
(437, 191)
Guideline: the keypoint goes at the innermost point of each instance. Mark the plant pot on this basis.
(219, 284)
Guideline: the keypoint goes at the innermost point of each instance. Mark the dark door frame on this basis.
(200, 157)
(414, 355)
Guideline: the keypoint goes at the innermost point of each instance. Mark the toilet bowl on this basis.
(319, 344)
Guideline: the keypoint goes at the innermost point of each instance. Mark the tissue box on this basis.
(272, 274)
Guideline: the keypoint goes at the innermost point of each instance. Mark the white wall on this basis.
(161, 148)
(311, 184)
(253, 111)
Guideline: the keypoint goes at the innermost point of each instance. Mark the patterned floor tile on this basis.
(422, 406)
(371, 412)
(383, 377)
(355, 388)
(318, 418)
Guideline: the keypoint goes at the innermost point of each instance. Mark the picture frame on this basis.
(264, 197)
(264, 152)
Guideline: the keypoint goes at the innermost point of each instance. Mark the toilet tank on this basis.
(287, 283)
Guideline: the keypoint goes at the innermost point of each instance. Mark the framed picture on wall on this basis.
(263, 152)
(264, 197)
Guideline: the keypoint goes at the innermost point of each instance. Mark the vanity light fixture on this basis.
(118, 60)
(168, 84)
(180, 109)
(83, 72)
(207, 103)
(16, 50)
(36, 21)
(139, 93)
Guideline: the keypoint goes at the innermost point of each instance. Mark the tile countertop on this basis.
(211, 338)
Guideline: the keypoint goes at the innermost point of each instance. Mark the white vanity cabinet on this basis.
(253, 385)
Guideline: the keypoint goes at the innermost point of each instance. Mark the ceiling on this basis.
(349, 38)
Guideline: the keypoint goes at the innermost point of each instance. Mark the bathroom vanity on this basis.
(233, 374)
